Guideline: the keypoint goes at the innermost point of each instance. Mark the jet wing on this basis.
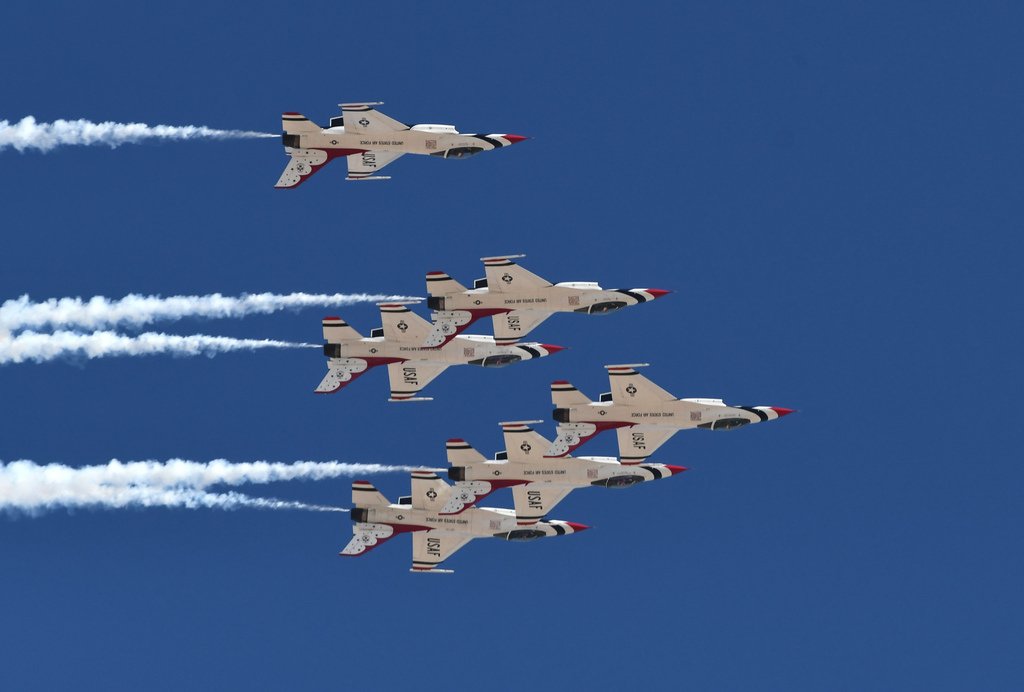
(534, 501)
(510, 327)
(340, 373)
(364, 166)
(431, 548)
(504, 275)
(363, 119)
(630, 388)
(638, 442)
(408, 378)
(366, 537)
(304, 163)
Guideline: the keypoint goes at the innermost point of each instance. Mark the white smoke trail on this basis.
(38, 348)
(29, 134)
(29, 487)
(136, 310)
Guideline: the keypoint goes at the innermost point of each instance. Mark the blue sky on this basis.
(833, 192)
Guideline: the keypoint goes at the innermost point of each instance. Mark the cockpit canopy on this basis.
(459, 152)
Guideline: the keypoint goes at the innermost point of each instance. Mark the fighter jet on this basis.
(644, 415)
(539, 482)
(436, 534)
(370, 140)
(411, 366)
(517, 300)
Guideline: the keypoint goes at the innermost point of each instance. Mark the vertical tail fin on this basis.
(337, 330)
(439, 284)
(564, 395)
(364, 494)
(461, 453)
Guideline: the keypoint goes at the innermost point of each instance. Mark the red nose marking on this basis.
(550, 348)
(675, 469)
(577, 527)
(781, 411)
(658, 292)
(515, 139)
(332, 317)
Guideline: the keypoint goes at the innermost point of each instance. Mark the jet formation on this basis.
(540, 473)
(442, 518)
(369, 141)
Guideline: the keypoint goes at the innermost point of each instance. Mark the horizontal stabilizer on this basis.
(630, 388)
(522, 443)
(364, 494)
(440, 284)
(461, 453)
(504, 275)
(565, 395)
(337, 330)
(362, 118)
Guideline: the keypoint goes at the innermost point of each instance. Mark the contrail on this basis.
(30, 487)
(136, 310)
(39, 348)
(28, 134)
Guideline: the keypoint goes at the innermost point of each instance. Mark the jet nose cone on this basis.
(658, 292)
(675, 469)
(577, 527)
(551, 348)
(515, 139)
(781, 411)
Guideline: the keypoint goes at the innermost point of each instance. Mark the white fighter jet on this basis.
(517, 300)
(538, 482)
(436, 532)
(399, 345)
(644, 415)
(370, 140)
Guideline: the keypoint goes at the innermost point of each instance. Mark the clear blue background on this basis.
(832, 189)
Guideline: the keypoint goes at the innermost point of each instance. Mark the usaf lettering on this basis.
(533, 499)
(409, 375)
(434, 547)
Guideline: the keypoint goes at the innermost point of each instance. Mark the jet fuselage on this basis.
(467, 349)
